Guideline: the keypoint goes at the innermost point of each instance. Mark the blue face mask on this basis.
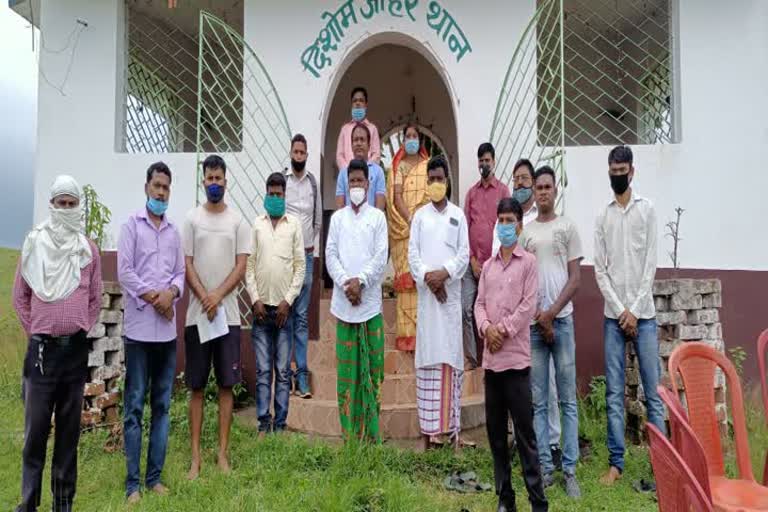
(214, 192)
(412, 146)
(275, 206)
(522, 194)
(507, 234)
(156, 206)
(358, 114)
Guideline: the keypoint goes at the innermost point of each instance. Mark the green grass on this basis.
(291, 472)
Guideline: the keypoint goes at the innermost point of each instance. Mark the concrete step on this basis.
(396, 388)
(321, 356)
(328, 321)
(399, 421)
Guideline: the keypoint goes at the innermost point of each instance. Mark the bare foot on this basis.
(134, 498)
(223, 463)
(611, 476)
(194, 470)
(160, 489)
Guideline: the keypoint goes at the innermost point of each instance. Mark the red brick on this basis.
(107, 400)
(94, 388)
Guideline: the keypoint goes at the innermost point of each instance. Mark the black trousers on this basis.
(508, 393)
(54, 378)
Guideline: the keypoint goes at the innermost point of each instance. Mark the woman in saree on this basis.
(407, 191)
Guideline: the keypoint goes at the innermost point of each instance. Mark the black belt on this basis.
(62, 341)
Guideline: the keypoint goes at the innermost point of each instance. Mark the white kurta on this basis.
(439, 240)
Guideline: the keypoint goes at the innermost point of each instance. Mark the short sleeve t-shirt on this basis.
(214, 240)
(554, 244)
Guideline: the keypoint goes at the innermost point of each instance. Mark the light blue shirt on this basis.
(377, 184)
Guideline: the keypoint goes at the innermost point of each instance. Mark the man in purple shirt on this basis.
(506, 305)
(480, 211)
(150, 266)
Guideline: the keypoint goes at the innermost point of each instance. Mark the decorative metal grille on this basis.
(240, 112)
(161, 93)
(585, 72)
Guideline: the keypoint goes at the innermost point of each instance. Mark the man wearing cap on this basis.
(57, 296)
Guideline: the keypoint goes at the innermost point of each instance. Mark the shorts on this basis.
(223, 352)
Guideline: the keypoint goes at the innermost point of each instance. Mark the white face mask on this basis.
(357, 195)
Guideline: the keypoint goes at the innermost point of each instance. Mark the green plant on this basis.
(96, 216)
(595, 400)
(673, 231)
(738, 355)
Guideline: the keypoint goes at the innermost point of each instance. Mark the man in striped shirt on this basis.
(57, 296)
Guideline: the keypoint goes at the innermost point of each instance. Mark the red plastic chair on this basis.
(696, 363)
(684, 439)
(676, 487)
(762, 345)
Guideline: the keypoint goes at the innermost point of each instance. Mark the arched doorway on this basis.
(403, 84)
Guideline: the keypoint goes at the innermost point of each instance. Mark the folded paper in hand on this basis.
(208, 330)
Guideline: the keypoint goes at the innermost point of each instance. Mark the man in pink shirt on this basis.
(505, 307)
(344, 153)
(480, 211)
(57, 296)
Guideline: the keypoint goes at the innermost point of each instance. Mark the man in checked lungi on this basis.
(438, 254)
(356, 257)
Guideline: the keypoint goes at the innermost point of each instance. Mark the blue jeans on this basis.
(147, 365)
(563, 354)
(298, 329)
(647, 349)
(273, 358)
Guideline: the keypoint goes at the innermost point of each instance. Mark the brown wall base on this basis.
(744, 315)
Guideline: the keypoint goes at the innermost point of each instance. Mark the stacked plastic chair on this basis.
(696, 363)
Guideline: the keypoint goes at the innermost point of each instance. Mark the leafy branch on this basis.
(673, 231)
(96, 216)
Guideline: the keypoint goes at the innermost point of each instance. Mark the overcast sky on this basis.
(18, 115)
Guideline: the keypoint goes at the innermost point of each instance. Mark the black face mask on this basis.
(619, 183)
(485, 171)
(298, 166)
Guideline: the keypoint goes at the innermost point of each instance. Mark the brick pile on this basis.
(686, 310)
(105, 361)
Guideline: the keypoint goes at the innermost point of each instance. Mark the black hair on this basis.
(545, 170)
(620, 155)
(298, 138)
(523, 162)
(363, 127)
(357, 165)
(486, 147)
(361, 89)
(412, 124)
(276, 179)
(160, 167)
(214, 162)
(437, 162)
(507, 205)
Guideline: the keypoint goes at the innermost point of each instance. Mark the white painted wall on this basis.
(715, 173)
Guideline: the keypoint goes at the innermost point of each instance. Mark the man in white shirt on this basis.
(438, 256)
(274, 276)
(554, 240)
(522, 174)
(356, 256)
(625, 267)
(303, 201)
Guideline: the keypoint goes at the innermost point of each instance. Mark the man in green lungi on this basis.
(356, 256)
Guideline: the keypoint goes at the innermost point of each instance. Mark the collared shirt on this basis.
(506, 297)
(377, 184)
(625, 257)
(79, 310)
(148, 258)
(300, 202)
(480, 209)
(357, 246)
(528, 216)
(439, 240)
(344, 153)
(275, 269)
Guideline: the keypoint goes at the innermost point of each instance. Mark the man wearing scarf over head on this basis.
(57, 296)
